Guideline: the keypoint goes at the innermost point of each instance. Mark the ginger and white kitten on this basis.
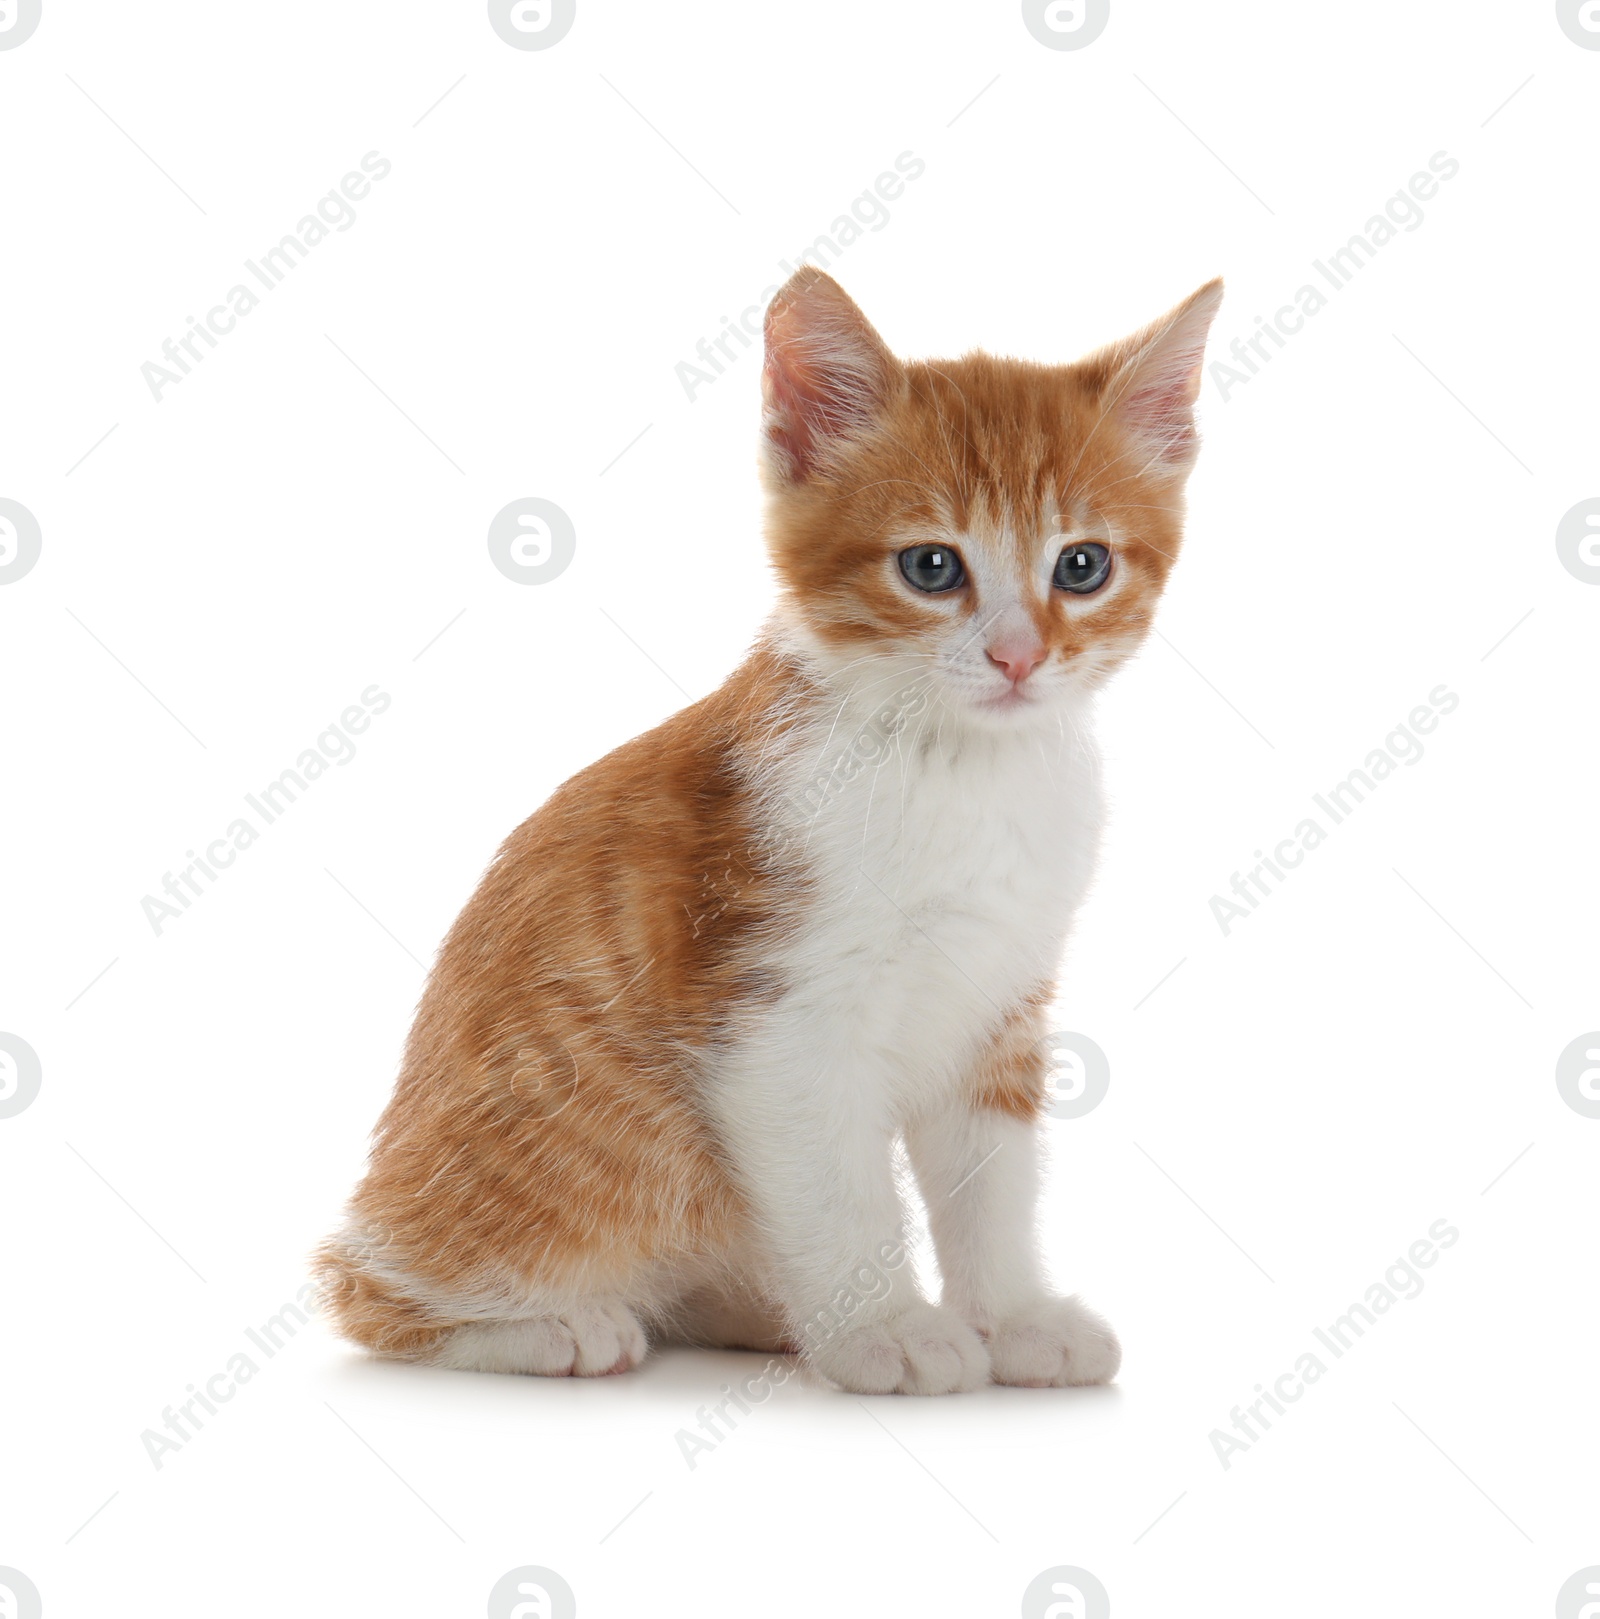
(657, 1078)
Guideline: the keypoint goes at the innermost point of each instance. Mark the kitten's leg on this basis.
(379, 1297)
(978, 1170)
(514, 1219)
(803, 1120)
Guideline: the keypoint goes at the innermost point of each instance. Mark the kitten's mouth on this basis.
(1012, 697)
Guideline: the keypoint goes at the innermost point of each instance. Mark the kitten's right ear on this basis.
(827, 375)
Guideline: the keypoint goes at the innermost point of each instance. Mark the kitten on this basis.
(658, 1074)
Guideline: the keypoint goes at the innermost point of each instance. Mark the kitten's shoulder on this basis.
(697, 766)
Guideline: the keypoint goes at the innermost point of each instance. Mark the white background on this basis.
(1374, 515)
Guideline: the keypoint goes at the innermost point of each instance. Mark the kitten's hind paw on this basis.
(1057, 1343)
(923, 1350)
(588, 1340)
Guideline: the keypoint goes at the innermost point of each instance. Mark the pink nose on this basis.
(1018, 658)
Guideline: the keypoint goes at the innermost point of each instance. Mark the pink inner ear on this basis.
(1162, 404)
(799, 406)
(1156, 375)
(823, 377)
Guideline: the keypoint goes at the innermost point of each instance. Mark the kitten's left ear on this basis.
(1150, 381)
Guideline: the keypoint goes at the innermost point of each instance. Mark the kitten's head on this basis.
(994, 531)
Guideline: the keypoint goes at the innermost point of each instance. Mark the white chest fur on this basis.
(943, 862)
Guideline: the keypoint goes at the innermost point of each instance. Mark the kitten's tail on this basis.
(365, 1309)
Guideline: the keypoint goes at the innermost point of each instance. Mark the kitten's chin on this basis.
(1013, 709)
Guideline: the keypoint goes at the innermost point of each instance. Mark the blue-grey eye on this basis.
(932, 568)
(1082, 568)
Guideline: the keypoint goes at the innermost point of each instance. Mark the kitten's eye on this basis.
(1082, 569)
(932, 568)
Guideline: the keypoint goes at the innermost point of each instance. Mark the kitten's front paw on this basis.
(1057, 1343)
(923, 1350)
